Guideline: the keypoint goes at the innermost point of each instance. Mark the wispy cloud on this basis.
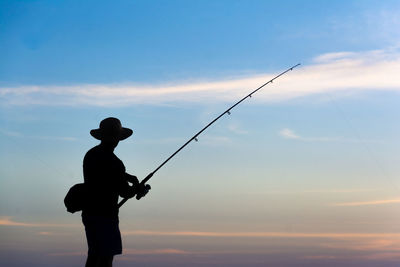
(155, 251)
(8, 221)
(315, 191)
(367, 203)
(235, 128)
(261, 234)
(377, 248)
(290, 134)
(63, 254)
(129, 252)
(44, 137)
(319, 257)
(328, 245)
(332, 72)
(56, 234)
(11, 133)
(371, 245)
(55, 138)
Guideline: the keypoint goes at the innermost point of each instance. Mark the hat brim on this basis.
(100, 135)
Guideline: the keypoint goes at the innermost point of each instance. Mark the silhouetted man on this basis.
(106, 180)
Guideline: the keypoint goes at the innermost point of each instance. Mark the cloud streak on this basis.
(51, 138)
(325, 245)
(290, 134)
(367, 203)
(165, 251)
(261, 234)
(332, 72)
(8, 221)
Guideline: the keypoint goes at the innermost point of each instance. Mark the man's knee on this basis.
(94, 260)
(91, 261)
(107, 261)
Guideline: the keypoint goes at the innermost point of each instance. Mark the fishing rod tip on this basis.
(298, 64)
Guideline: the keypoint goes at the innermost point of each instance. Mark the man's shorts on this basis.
(103, 235)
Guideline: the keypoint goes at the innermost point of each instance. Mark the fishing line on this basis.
(195, 137)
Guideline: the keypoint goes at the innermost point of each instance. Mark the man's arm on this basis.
(131, 179)
(128, 191)
(128, 185)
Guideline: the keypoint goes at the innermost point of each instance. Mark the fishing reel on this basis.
(142, 190)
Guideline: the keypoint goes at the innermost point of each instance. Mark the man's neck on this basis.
(107, 147)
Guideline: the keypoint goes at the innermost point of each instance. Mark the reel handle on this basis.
(146, 188)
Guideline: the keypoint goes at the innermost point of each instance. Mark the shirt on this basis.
(104, 175)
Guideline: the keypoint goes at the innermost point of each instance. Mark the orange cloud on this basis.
(367, 203)
(319, 257)
(128, 252)
(384, 256)
(155, 251)
(262, 234)
(8, 221)
(46, 233)
(377, 244)
(63, 254)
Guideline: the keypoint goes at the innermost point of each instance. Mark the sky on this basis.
(304, 173)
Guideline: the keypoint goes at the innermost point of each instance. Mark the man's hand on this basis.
(128, 186)
(132, 179)
(142, 190)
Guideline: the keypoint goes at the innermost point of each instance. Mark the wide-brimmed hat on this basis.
(111, 129)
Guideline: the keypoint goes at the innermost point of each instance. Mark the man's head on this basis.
(111, 132)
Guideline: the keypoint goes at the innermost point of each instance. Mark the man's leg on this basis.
(92, 261)
(106, 261)
(99, 261)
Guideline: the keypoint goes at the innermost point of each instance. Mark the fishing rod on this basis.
(228, 111)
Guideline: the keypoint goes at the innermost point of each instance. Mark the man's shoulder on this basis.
(94, 149)
(97, 153)
(94, 152)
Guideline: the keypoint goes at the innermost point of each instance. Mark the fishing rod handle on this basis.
(147, 178)
(144, 186)
(142, 183)
(144, 190)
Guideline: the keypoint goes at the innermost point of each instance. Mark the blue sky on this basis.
(47, 42)
(305, 172)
